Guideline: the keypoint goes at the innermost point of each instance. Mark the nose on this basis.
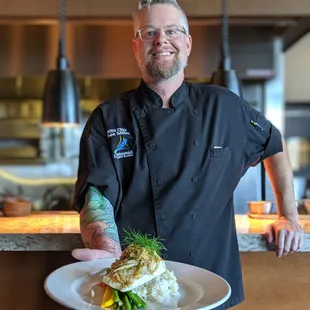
(160, 38)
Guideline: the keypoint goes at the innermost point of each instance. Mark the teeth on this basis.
(163, 54)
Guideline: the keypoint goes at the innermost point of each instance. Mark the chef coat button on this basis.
(143, 114)
(194, 179)
(165, 256)
(152, 146)
(163, 217)
(160, 181)
(196, 142)
(194, 215)
(195, 111)
(192, 254)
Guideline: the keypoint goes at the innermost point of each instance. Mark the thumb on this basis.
(89, 254)
(269, 234)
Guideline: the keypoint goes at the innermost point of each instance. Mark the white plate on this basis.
(70, 285)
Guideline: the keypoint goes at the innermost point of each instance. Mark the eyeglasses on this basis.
(148, 34)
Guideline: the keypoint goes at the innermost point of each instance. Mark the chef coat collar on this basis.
(148, 97)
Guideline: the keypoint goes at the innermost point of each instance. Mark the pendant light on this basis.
(61, 106)
(225, 76)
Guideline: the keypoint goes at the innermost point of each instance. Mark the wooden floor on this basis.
(270, 283)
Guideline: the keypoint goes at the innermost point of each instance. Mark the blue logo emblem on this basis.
(123, 149)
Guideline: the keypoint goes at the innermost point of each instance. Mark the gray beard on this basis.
(160, 72)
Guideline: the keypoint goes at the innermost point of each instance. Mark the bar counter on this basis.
(34, 246)
(59, 231)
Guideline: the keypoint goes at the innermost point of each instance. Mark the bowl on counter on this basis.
(261, 207)
(16, 207)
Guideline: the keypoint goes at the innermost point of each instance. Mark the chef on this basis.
(165, 159)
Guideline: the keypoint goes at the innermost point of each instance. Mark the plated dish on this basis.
(139, 279)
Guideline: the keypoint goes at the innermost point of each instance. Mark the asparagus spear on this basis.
(127, 303)
(127, 300)
(136, 299)
(116, 296)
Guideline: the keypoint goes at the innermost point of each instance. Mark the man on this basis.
(166, 158)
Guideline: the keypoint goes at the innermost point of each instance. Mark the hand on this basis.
(89, 254)
(286, 234)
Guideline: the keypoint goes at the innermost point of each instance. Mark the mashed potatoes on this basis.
(162, 289)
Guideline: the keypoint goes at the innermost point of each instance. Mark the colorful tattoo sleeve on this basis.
(98, 227)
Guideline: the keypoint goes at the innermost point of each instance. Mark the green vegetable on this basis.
(153, 244)
(136, 300)
(127, 302)
(116, 296)
(140, 300)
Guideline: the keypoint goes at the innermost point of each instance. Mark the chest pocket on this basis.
(216, 172)
(217, 165)
(219, 151)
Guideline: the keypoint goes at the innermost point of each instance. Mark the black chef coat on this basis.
(173, 171)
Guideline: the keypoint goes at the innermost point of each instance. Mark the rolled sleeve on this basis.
(95, 168)
(262, 138)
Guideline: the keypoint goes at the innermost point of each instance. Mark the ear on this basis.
(134, 46)
(189, 44)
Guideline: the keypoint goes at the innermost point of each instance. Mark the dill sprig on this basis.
(147, 241)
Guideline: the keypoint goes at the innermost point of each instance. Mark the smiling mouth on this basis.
(162, 54)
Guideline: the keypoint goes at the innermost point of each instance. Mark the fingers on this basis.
(280, 237)
(83, 254)
(295, 244)
(269, 234)
(88, 254)
(300, 241)
(288, 242)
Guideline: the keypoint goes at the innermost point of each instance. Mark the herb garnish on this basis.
(147, 241)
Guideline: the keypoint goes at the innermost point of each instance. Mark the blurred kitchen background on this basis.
(269, 44)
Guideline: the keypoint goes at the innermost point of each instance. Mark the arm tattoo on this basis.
(98, 227)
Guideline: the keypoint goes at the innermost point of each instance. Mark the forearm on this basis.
(278, 168)
(97, 223)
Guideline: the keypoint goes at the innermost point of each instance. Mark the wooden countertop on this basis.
(45, 222)
(59, 230)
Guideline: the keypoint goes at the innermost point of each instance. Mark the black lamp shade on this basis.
(228, 79)
(61, 100)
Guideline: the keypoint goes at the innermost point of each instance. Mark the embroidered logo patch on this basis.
(123, 148)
